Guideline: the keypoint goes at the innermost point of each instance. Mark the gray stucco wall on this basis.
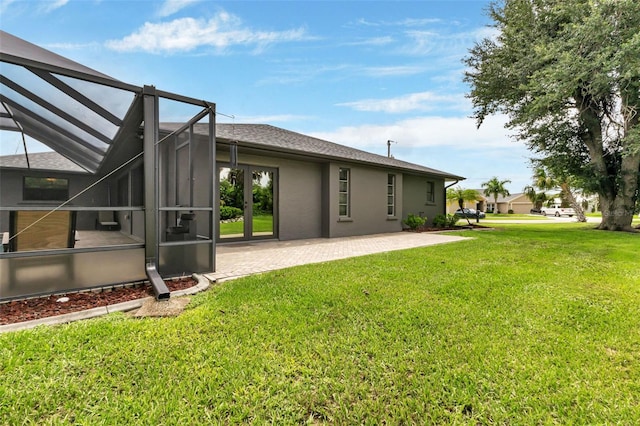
(299, 194)
(11, 191)
(368, 200)
(308, 197)
(415, 197)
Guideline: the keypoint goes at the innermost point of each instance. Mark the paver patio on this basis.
(235, 260)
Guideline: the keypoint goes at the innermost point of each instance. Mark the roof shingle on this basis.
(270, 137)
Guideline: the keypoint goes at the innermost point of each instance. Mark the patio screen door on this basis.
(247, 196)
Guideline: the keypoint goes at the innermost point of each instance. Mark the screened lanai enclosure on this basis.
(93, 191)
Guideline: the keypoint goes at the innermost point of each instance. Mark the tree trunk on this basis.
(461, 204)
(617, 199)
(574, 203)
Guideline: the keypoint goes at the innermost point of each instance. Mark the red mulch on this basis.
(42, 307)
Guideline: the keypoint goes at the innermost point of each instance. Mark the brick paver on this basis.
(239, 259)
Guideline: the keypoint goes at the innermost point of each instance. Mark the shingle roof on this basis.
(41, 161)
(278, 139)
(251, 135)
(501, 198)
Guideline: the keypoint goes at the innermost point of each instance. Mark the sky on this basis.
(358, 73)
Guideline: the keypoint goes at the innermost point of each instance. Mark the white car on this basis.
(556, 210)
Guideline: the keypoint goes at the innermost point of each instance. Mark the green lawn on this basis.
(636, 218)
(261, 223)
(504, 216)
(527, 324)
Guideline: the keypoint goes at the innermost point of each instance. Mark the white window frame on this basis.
(344, 192)
(391, 195)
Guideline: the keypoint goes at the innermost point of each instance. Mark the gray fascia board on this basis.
(185, 99)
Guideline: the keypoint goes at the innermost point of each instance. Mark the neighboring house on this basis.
(174, 191)
(518, 203)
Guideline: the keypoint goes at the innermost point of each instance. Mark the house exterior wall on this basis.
(519, 205)
(11, 188)
(299, 194)
(308, 193)
(368, 201)
(300, 200)
(415, 197)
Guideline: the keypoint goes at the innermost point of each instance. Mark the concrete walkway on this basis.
(235, 260)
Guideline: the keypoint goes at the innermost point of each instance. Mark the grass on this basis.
(504, 216)
(529, 324)
(261, 223)
(635, 221)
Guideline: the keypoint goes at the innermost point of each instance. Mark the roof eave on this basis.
(258, 146)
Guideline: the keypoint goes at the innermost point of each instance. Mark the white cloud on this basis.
(452, 144)
(50, 6)
(262, 119)
(373, 41)
(169, 7)
(4, 5)
(187, 34)
(71, 46)
(422, 101)
(413, 22)
(428, 131)
(422, 42)
(409, 22)
(393, 71)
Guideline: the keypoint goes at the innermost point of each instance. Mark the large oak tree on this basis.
(567, 75)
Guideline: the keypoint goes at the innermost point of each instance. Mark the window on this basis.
(45, 189)
(344, 207)
(391, 195)
(430, 193)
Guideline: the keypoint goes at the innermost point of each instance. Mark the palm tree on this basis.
(542, 180)
(461, 195)
(496, 187)
(536, 198)
(545, 181)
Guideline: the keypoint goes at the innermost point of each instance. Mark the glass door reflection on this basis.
(232, 203)
(262, 203)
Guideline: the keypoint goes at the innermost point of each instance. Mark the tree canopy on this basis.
(461, 195)
(567, 75)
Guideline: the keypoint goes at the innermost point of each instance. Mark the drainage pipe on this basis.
(445, 195)
(159, 287)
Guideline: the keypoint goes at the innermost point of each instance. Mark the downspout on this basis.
(151, 193)
(445, 195)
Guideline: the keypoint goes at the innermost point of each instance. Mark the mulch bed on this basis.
(42, 307)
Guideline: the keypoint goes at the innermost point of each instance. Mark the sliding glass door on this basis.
(247, 207)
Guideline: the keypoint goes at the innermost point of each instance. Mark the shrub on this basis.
(510, 211)
(445, 221)
(452, 219)
(414, 222)
(440, 221)
(228, 212)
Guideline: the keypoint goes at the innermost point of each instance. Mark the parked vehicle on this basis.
(470, 213)
(556, 210)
